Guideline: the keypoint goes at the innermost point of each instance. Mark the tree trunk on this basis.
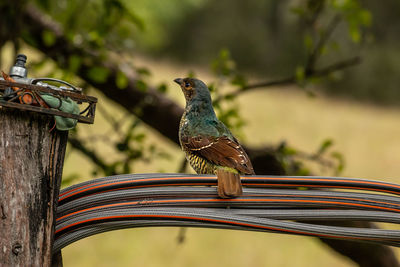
(31, 162)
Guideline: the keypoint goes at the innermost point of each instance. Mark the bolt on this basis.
(20, 61)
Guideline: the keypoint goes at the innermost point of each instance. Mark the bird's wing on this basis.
(219, 150)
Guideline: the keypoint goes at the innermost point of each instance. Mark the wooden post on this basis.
(31, 163)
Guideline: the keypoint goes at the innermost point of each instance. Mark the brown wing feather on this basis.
(221, 151)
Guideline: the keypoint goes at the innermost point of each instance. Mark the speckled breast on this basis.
(200, 165)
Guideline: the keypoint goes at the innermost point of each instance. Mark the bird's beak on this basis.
(178, 81)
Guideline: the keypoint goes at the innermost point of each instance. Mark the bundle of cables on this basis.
(268, 204)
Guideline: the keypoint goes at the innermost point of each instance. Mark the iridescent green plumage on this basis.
(198, 163)
(208, 144)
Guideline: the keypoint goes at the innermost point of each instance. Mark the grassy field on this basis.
(367, 135)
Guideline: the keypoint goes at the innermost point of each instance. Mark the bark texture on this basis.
(31, 162)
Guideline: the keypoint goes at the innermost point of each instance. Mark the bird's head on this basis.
(194, 90)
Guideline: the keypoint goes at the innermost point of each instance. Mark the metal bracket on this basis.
(86, 115)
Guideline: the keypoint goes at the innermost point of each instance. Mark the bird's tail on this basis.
(229, 185)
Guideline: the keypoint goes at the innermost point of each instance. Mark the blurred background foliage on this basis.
(265, 38)
(126, 52)
(269, 38)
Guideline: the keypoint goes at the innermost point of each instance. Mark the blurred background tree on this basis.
(128, 52)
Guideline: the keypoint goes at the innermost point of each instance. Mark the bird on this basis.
(209, 146)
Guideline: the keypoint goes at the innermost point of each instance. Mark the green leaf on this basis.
(224, 54)
(356, 16)
(74, 63)
(128, 12)
(314, 80)
(141, 85)
(121, 147)
(239, 80)
(212, 87)
(143, 71)
(98, 74)
(308, 42)
(303, 171)
(355, 34)
(127, 168)
(94, 36)
(140, 137)
(121, 80)
(162, 88)
(325, 145)
(229, 97)
(298, 10)
(365, 17)
(300, 75)
(45, 4)
(217, 105)
(48, 38)
(341, 162)
(223, 65)
(288, 151)
(191, 74)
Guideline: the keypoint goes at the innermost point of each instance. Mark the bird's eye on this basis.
(188, 86)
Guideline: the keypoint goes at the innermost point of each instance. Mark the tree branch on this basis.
(310, 71)
(150, 106)
(92, 155)
(339, 65)
(325, 36)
